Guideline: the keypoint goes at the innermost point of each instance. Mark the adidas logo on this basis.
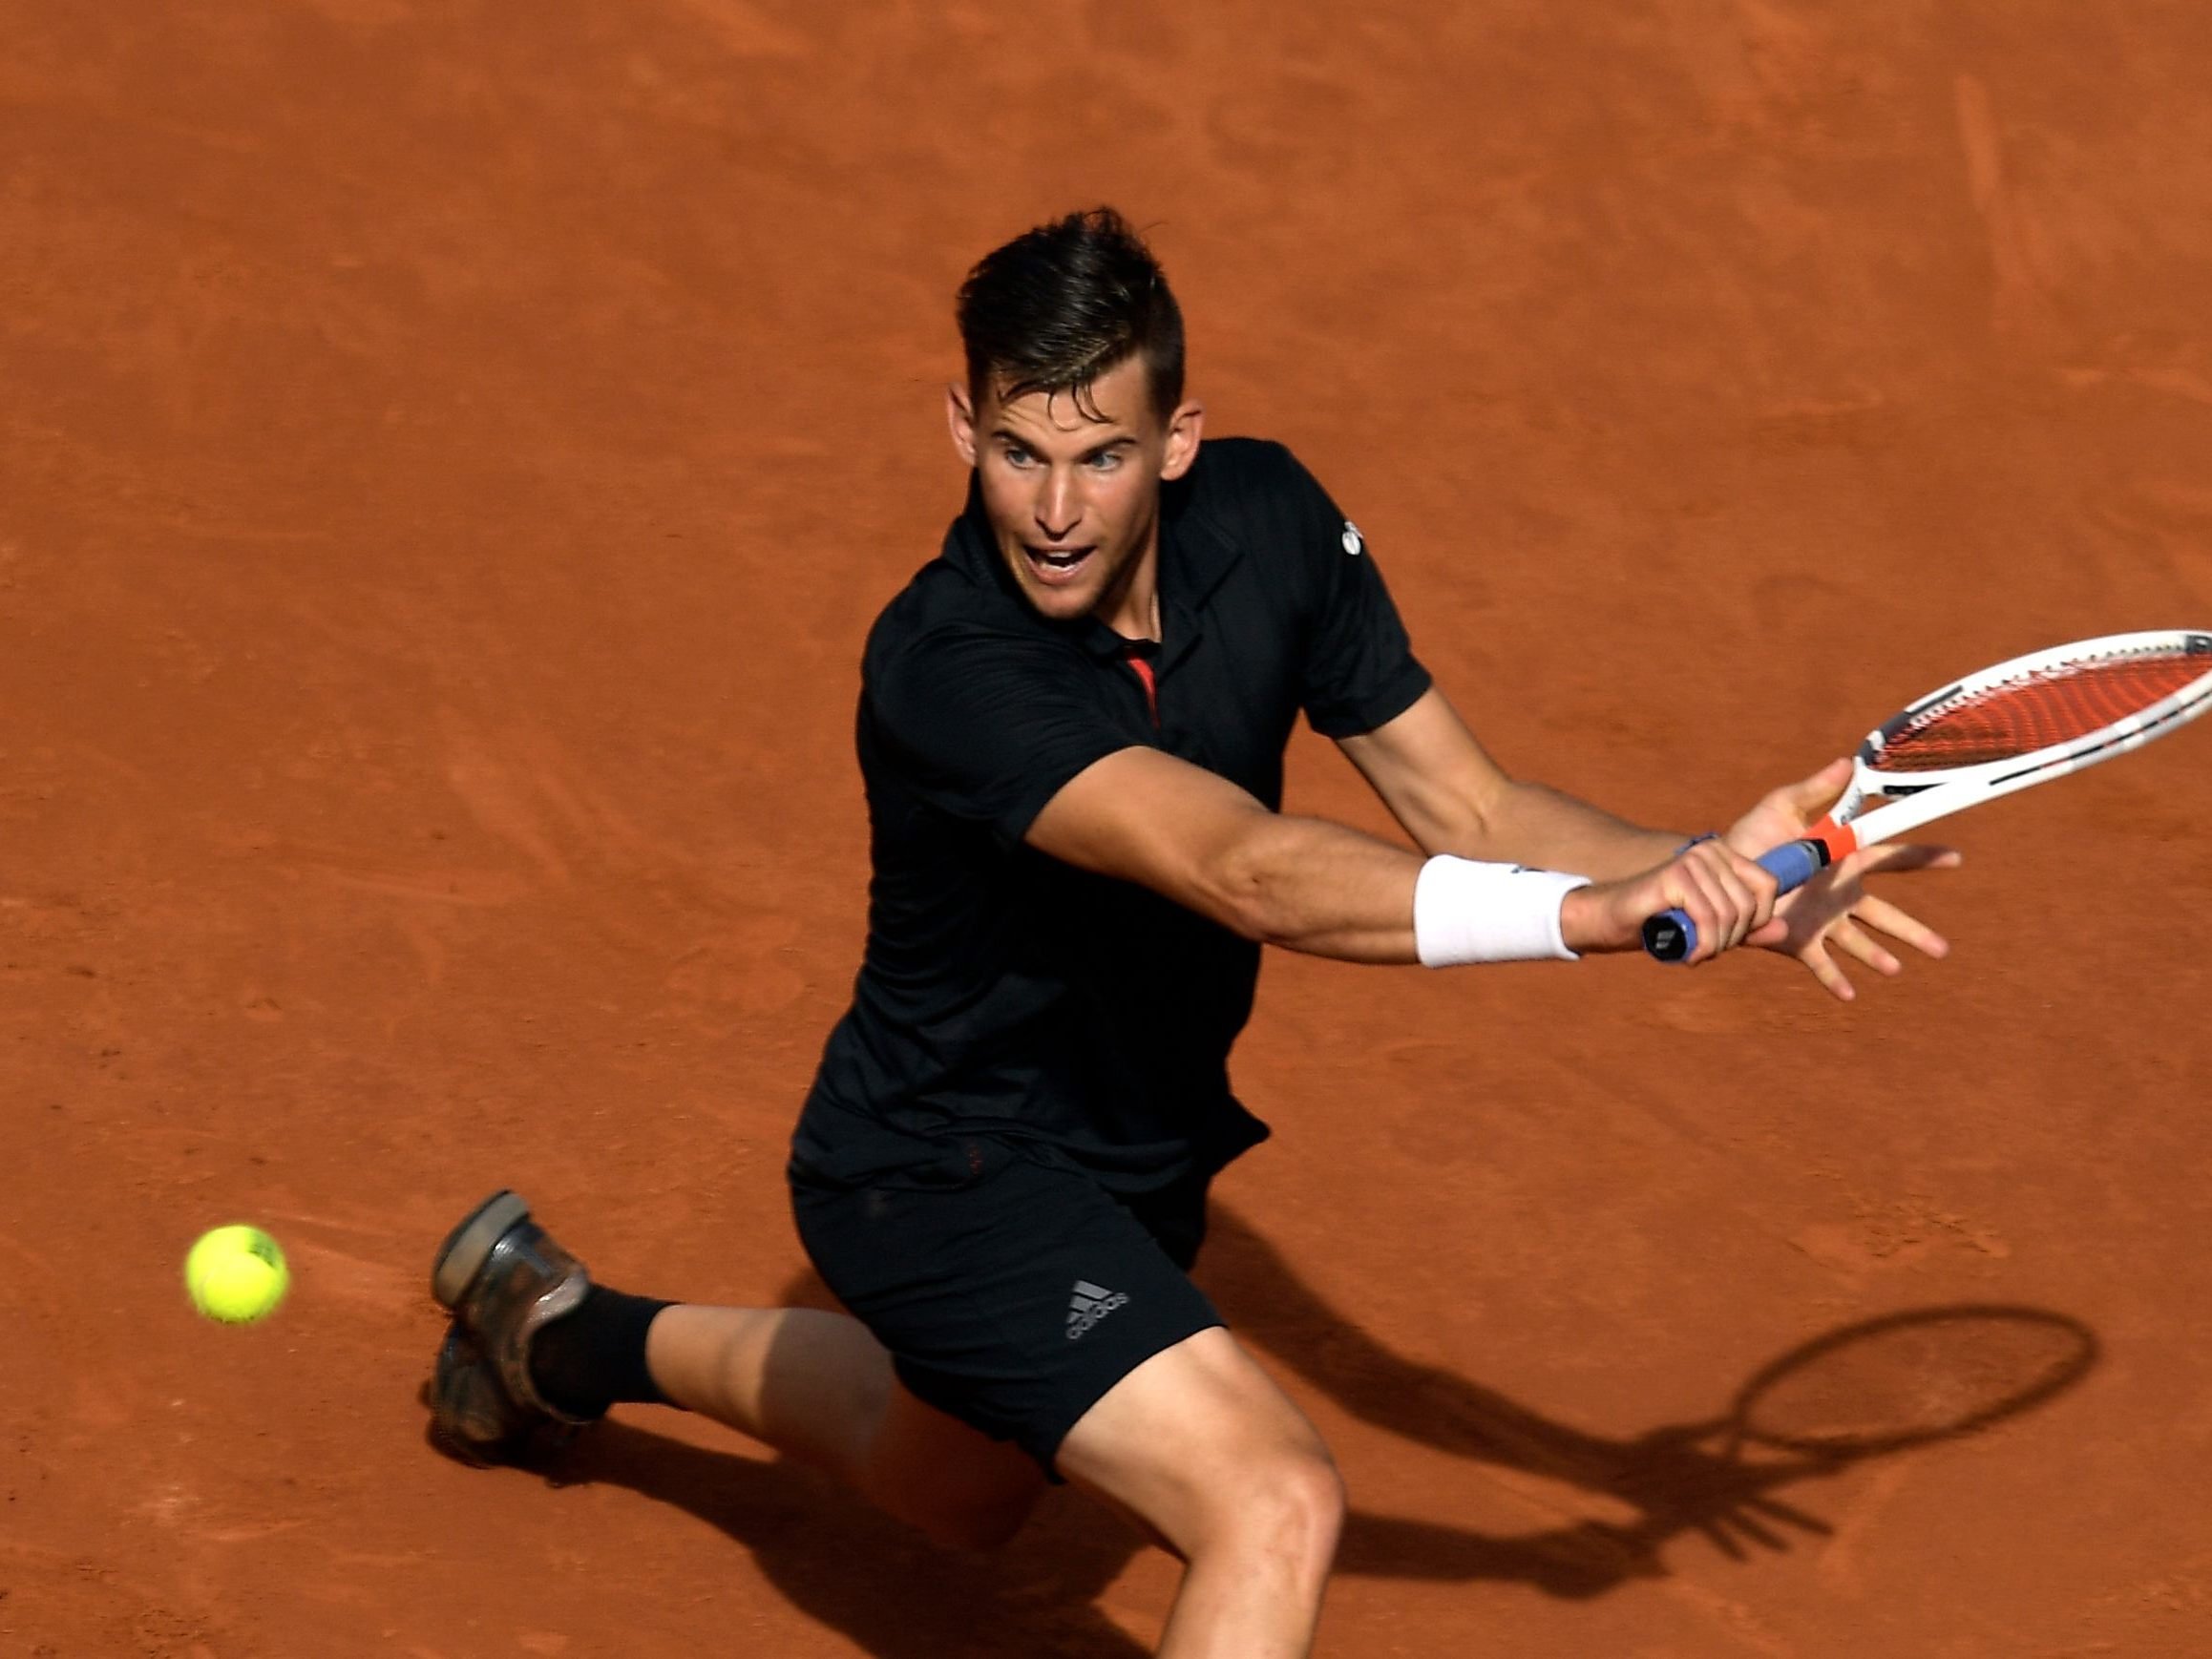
(1090, 1304)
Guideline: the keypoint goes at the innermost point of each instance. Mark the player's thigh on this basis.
(954, 1483)
(1202, 1445)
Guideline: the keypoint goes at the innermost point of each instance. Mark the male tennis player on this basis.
(1071, 733)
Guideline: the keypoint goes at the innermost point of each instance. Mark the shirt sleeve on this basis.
(1360, 669)
(988, 726)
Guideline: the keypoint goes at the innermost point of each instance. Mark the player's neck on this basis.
(1131, 607)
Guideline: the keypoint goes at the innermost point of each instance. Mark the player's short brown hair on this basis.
(1063, 304)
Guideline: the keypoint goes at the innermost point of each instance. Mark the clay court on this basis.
(450, 456)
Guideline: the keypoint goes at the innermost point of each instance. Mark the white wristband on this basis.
(1465, 912)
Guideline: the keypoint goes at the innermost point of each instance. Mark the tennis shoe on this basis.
(472, 1414)
(503, 1278)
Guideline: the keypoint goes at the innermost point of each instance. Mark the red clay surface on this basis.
(449, 456)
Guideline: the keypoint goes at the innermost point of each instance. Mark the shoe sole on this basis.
(468, 1246)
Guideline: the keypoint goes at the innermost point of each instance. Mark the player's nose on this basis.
(1059, 507)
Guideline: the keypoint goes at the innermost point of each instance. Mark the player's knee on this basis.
(1290, 1506)
(1313, 1501)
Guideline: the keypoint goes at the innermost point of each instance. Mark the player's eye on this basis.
(1018, 457)
(1103, 461)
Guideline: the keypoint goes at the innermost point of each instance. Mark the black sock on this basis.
(585, 1361)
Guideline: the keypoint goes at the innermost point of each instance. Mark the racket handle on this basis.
(1672, 936)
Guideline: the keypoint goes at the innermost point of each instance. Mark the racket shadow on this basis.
(1876, 1388)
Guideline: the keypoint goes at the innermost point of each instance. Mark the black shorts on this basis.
(1015, 1302)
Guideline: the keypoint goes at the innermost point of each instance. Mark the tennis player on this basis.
(1071, 731)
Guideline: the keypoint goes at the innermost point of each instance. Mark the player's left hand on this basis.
(1833, 911)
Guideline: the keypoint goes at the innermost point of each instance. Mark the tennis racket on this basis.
(2018, 724)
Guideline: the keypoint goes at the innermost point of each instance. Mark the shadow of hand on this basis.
(1679, 1484)
(1671, 1477)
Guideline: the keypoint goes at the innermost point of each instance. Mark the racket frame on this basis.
(1921, 797)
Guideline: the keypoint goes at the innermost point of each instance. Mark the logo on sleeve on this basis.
(1352, 542)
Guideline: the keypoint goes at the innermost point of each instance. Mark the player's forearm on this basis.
(1527, 823)
(1305, 884)
(1308, 885)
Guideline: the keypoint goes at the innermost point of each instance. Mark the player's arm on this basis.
(1451, 797)
(1309, 885)
(1442, 784)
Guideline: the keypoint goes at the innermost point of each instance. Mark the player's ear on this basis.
(960, 416)
(1184, 428)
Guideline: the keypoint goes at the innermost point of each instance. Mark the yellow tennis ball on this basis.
(236, 1274)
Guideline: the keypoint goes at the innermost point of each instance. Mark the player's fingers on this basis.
(1848, 936)
(1716, 900)
(1810, 797)
(1735, 896)
(1822, 967)
(1765, 887)
(1707, 911)
(1880, 912)
(1681, 885)
(1750, 889)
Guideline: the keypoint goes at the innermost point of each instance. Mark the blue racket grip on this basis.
(1671, 936)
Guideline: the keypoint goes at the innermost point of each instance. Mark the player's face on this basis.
(1074, 498)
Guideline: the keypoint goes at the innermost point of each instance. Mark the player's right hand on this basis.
(1726, 895)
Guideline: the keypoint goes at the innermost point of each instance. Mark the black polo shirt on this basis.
(1010, 1004)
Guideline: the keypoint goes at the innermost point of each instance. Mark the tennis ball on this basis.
(236, 1274)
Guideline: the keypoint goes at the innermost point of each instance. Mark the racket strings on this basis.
(2054, 706)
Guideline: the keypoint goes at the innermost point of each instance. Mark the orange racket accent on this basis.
(1838, 839)
(2054, 706)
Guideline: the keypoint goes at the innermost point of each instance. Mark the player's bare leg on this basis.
(1209, 1452)
(820, 1388)
(1195, 1445)
(813, 1385)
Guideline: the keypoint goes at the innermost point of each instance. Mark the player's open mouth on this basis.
(1056, 566)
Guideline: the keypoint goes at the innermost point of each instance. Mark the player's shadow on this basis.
(1880, 1387)
(887, 1591)
(1858, 1392)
